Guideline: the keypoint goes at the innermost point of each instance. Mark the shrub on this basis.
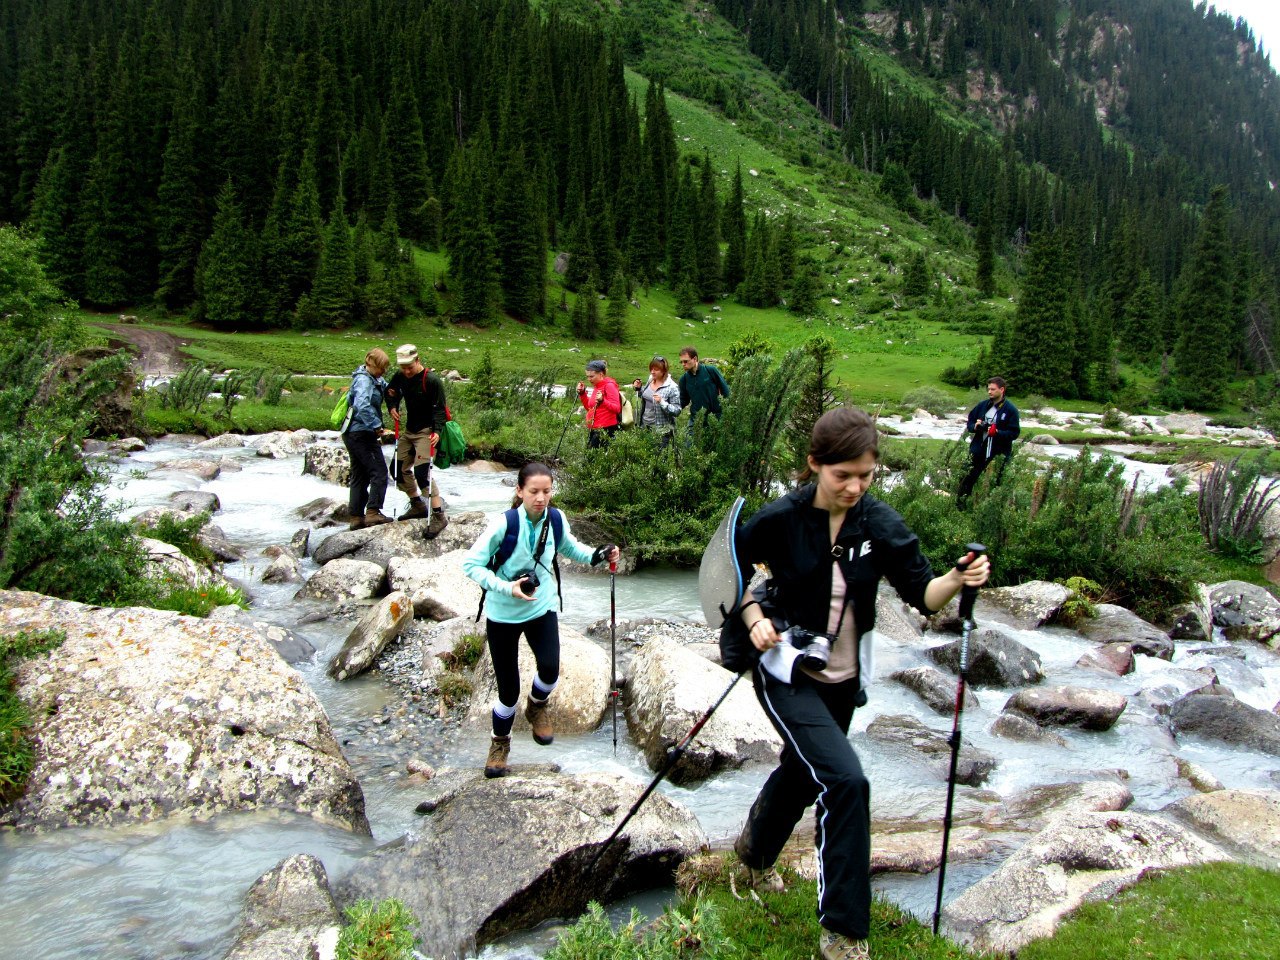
(453, 688)
(16, 752)
(381, 931)
(184, 534)
(936, 401)
(466, 652)
(192, 601)
(1231, 505)
(1079, 605)
(691, 931)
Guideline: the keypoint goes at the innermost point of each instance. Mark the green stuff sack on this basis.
(452, 447)
(341, 412)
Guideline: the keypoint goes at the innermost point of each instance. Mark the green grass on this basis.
(197, 601)
(1214, 912)
(17, 755)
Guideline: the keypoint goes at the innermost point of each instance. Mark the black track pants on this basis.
(817, 764)
(543, 635)
(368, 472)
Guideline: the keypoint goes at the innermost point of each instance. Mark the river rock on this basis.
(1114, 658)
(918, 851)
(292, 647)
(435, 585)
(167, 563)
(1031, 604)
(283, 569)
(1191, 424)
(1045, 440)
(494, 856)
(195, 501)
(344, 580)
(580, 700)
(1192, 620)
(1247, 821)
(1250, 604)
(281, 444)
(406, 538)
(1199, 777)
(328, 461)
(994, 659)
(669, 689)
(324, 512)
(1076, 858)
(973, 765)
(144, 713)
(1030, 810)
(896, 622)
(1068, 706)
(300, 542)
(223, 441)
(935, 688)
(1114, 624)
(1228, 720)
(289, 914)
(204, 469)
(215, 540)
(1171, 685)
(1018, 726)
(383, 623)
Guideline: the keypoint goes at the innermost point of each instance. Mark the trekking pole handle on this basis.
(969, 594)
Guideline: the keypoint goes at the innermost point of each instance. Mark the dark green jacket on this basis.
(703, 389)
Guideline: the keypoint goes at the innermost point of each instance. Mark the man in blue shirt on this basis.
(994, 425)
(702, 385)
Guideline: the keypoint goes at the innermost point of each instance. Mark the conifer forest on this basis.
(266, 165)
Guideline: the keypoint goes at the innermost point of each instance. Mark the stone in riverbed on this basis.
(935, 688)
(195, 501)
(328, 461)
(436, 585)
(1018, 726)
(1114, 658)
(1068, 706)
(405, 538)
(1243, 820)
(384, 622)
(973, 765)
(283, 569)
(1226, 719)
(994, 660)
(215, 540)
(204, 469)
(289, 914)
(141, 713)
(1031, 604)
(344, 580)
(1114, 624)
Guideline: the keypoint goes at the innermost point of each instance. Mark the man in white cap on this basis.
(423, 395)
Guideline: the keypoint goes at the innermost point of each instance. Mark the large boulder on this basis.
(214, 539)
(143, 713)
(289, 914)
(1068, 706)
(1226, 719)
(328, 461)
(167, 563)
(1116, 658)
(1191, 424)
(580, 698)
(223, 441)
(203, 469)
(384, 622)
(344, 580)
(1076, 858)
(494, 856)
(292, 647)
(1247, 821)
(1193, 620)
(1114, 624)
(973, 765)
(285, 568)
(1236, 603)
(1028, 605)
(195, 501)
(281, 444)
(406, 538)
(1029, 810)
(669, 688)
(935, 688)
(435, 585)
(994, 660)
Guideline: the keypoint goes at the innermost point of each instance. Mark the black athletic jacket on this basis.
(792, 536)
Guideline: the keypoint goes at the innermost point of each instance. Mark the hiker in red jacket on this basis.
(603, 402)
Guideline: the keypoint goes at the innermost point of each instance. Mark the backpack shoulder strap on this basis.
(557, 531)
(505, 549)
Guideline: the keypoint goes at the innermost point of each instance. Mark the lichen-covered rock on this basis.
(144, 713)
(494, 856)
(406, 538)
(344, 580)
(289, 914)
(328, 461)
(973, 765)
(384, 622)
(283, 569)
(1029, 810)
(935, 688)
(580, 698)
(1031, 604)
(995, 660)
(195, 501)
(167, 563)
(1226, 719)
(1113, 624)
(1114, 658)
(669, 688)
(324, 512)
(1247, 821)
(1237, 603)
(1068, 706)
(292, 647)
(436, 585)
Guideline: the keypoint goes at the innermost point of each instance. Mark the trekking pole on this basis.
(673, 757)
(567, 420)
(967, 597)
(395, 456)
(613, 650)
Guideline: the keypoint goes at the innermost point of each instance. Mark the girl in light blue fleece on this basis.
(520, 604)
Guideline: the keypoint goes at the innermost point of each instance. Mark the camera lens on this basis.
(817, 654)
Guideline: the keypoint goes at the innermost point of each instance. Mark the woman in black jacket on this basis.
(827, 545)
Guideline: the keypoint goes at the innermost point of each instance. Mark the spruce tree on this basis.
(226, 274)
(1203, 311)
(1043, 337)
(584, 321)
(984, 240)
(615, 315)
(333, 293)
(733, 227)
(915, 279)
(521, 241)
(706, 233)
(473, 257)
(804, 290)
(181, 217)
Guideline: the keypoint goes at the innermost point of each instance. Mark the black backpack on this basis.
(512, 537)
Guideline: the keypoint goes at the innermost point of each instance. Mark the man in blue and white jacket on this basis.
(994, 425)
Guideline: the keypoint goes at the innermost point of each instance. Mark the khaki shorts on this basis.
(412, 448)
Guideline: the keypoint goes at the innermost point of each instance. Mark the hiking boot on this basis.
(833, 946)
(417, 511)
(762, 878)
(374, 517)
(356, 524)
(536, 714)
(496, 764)
(436, 524)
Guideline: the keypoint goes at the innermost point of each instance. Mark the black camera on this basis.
(530, 581)
(815, 648)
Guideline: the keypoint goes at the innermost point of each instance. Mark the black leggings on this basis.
(368, 471)
(543, 634)
(818, 763)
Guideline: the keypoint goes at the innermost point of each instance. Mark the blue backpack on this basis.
(508, 546)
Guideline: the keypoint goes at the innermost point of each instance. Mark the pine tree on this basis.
(226, 274)
(1142, 326)
(706, 233)
(984, 240)
(915, 280)
(182, 221)
(333, 292)
(1203, 311)
(1043, 337)
(733, 227)
(615, 315)
(804, 290)
(521, 241)
(473, 258)
(584, 321)
(53, 217)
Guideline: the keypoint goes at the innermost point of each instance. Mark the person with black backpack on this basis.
(423, 393)
(514, 560)
(808, 643)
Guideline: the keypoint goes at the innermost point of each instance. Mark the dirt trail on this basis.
(159, 353)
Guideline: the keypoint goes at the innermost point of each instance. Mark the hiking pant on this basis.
(543, 634)
(413, 450)
(978, 463)
(598, 437)
(368, 472)
(817, 764)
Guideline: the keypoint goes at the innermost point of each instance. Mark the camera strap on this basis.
(542, 545)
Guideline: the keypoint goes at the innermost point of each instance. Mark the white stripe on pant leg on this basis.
(822, 884)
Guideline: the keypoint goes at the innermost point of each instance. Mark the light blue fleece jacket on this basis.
(365, 400)
(500, 605)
